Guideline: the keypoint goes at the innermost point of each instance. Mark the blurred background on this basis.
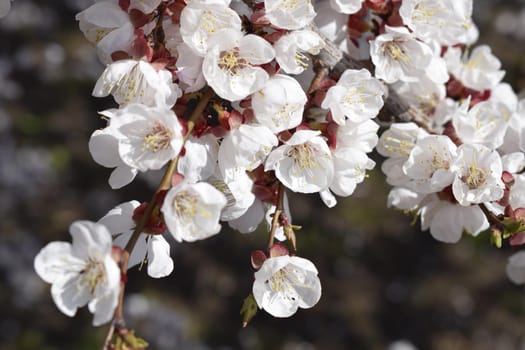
(386, 285)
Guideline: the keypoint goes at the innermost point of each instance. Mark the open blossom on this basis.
(246, 147)
(131, 81)
(189, 69)
(477, 175)
(82, 272)
(291, 50)
(153, 249)
(192, 211)
(200, 19)
(397, 55)
(446, 21)
(304, 163)
(357, 96)
(200, 158)
(106, 25)
(148, 137)
(237, 188)
(285, 283)
(447, 220)
(230, 65)
(280, 104)
(289, 14)
(428, 165)
(481, 71)
(484, 124)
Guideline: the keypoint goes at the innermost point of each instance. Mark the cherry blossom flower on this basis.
(357, 95)
(246, 147)
(131, 81)
(153, 249)
(229, 66)
(192, 211)
(285, 283)
(304, 163)
(148, 137)
(447, 21)
(481, 71)
(82, 272)
(200, 158)
(478, 175)
(291, 50)
(280, 104)
(289, 14)
(447, 221)
(428, 165)
(484, 124)
(106, 25)
(200, 19)
(397, 55)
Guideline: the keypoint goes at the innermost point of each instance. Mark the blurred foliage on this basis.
(383, 280)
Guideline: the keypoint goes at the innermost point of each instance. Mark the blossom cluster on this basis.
(225, 96)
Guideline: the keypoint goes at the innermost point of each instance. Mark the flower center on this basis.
(396, 52)
(93, 274)
(303, 156)
(232, 62)
(475, 177)
(185, 204)
(158, 138)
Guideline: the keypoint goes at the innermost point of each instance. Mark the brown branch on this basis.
(397, 110)
(118, 320)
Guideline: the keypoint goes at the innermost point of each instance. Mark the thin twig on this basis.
(276, 214)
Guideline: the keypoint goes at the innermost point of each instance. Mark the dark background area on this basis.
(383, 280)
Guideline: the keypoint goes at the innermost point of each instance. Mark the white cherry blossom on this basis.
(447, 220)
(285, 283)
(399, 139)
(148, 137)
(291, 50)
(480, 71)
(304, 163)
(447, 21)
(357, 96)
(289, 14)
(237, 188)
(82, 272)
(131, 81)
(428, 165)
(478, 175)
(201, 19)
(397, 55)
(246, 147)
(484, 124)
(189, 69)
(230, 65)
(280, 104)
(106, 25)
(200, 159)
(192, 211)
